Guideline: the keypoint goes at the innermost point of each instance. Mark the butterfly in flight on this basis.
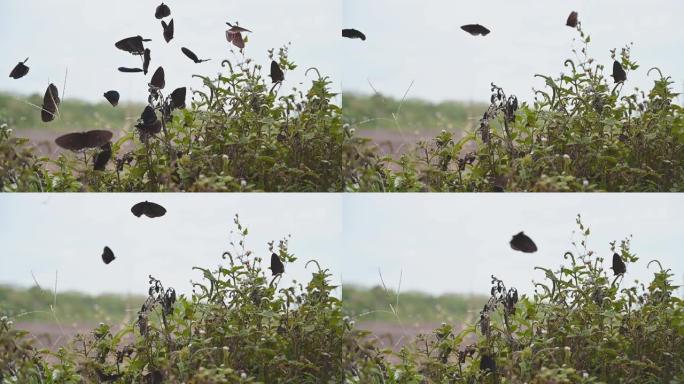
(162, 11)
(191, 55)
(102, 158)
(20, 70)
(168, 30)
(133, 45)
(277, 266)
(148, 209)
(277, 74)
(107, 255)
(78, 141)
(572, 20)
(50, 104)
(521, 242)
(352, 33)
(234, 35)
(130, 70)
(619, 267)
(146, 60)
(475, 29)
(619, 75)
(112, 97)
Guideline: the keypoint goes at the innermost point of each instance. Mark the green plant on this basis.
(581, 133)
(580, 326)
(238, 326)
(239, 134)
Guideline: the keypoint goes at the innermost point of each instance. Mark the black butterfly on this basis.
(277, 266)
(148, 123)
(487, 363)
(102, 158)
(168, 30)
(107, 255)
(148, 209)
(146, 60)
(352, 33)
(78, 141)
(162, 11)
(112, 97)
(158, 80)
(475, 29)
(191, 55)
(234, 35)
(523, 243)
(619, 75)
(20, 70)
(619, 267)
(130, 70)
(178, 98)
(132, 45)
(572, 20)
(50, 104)
(277, 74)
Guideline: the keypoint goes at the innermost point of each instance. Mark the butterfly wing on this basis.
(235, 37)
(138, 209)
(97, 138)
(20, 70)
(72, 141)
(190, 54)
(277, 266)
(153, 210)
(147, 56)
(168, 30)
(158, 79)
(162, 11)
(102, 158)
(50, 103)
(523, 243)
(112, 97)
(572, 20)
(178, 98)
(107, 255)
(619, 74)
(130, 70)
(277, 74)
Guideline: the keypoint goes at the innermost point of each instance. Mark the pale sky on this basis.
(439, 242)
(80, 35)
(66, 233)
(454, 242)
(421, 41)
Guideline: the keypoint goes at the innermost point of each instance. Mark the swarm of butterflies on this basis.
(154, 210)
(148, 125)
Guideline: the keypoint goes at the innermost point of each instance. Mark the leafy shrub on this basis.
(582, 133)
(580, 326)
(240, 134)
(238, 326)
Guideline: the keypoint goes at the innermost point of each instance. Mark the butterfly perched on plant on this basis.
(618, 267)
(277, 266)
(619, 75)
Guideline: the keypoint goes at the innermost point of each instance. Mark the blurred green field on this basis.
(34, 305)
(376, 303)
(364, 304)
(378, 112)
(74, 114)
